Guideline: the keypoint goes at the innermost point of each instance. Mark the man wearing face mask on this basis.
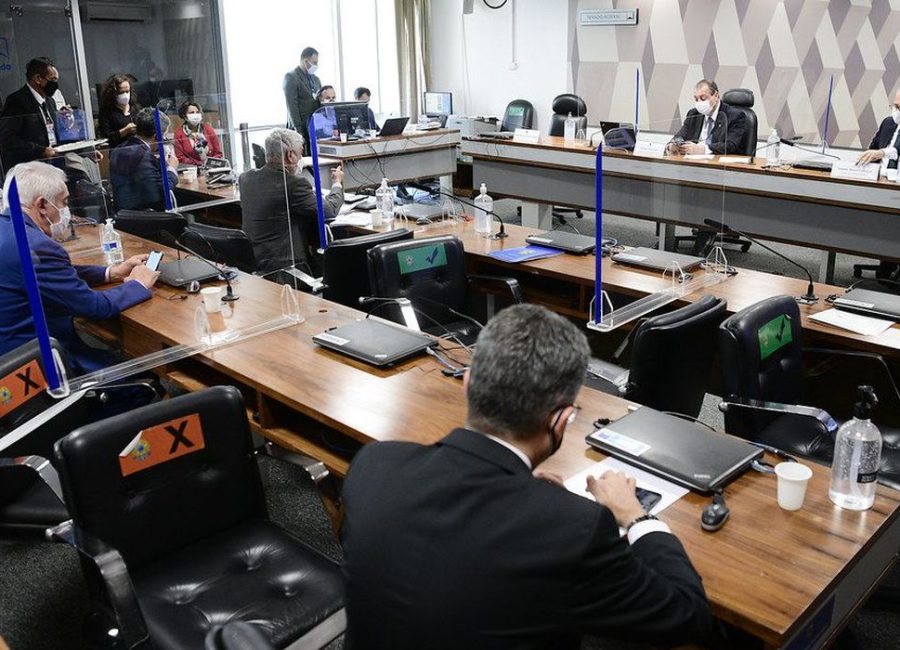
(278, 199)
(65, 288)
(712, 126)
(886, 143)
(464, 544)
(134, 170)
(28, 120)
(301, 87)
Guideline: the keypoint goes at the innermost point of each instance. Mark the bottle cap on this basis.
(867, 400)
(484, 188)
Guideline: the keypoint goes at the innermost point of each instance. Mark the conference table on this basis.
(804, 207)
(790, 579)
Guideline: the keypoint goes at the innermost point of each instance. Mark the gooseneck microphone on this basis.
(807, 299)
(501, 234)
(230, 295)
(792, 143)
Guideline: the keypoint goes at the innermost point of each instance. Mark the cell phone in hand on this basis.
(647, 498)
(154, 259)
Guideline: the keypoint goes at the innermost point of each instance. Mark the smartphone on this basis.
(154, 259)
(647, 498)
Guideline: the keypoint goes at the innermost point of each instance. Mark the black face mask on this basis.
(51, 87)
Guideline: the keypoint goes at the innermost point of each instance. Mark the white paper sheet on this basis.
(734, 160)
(668, 491)
(857, 323)
(699, 156)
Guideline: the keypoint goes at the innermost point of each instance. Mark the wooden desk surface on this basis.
(767, 571)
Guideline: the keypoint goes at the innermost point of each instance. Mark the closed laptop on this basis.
(374, 341)
(564, 241)
(870, 303)
(650, 258)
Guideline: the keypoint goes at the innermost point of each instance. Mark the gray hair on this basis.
(527, 363)
(35, 180)
(146, 126)
(280, 141)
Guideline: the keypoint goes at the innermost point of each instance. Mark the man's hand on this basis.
(673, 149)
(172, 161)
(551, 477)
(49, 152)
(872, 155)
(693, 147)
(337, 175)
(122, 270)
(128, 130)
(143, 275)
(615, 490)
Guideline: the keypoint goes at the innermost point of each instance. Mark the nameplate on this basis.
(531, 136)
(649, 149)
(852, 171)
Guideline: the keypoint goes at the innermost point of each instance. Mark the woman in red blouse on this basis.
(195, 141)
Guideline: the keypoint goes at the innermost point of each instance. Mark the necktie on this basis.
(710, 124)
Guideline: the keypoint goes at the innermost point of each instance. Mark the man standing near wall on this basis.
(301, 86)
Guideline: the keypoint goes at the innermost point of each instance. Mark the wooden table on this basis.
(775, 574)
(802, 207)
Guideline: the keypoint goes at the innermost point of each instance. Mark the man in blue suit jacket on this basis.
(65, 288)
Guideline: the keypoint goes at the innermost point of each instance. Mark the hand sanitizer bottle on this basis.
(857, 456)
(484, 206)
(111, 244)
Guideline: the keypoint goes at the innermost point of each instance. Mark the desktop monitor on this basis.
(438, 103)
(351, 116)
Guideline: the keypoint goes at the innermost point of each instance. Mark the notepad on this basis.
(670, 492)
(524, 253)
(735, 160)
(856, 323)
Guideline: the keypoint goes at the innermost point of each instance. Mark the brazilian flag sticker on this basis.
(774, 335)
(422, 258)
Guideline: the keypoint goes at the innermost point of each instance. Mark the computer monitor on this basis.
(351, 116)
(438, 103)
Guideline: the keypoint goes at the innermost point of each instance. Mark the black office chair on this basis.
(431, 273)
(563, 106)
(764, 383)
(229, 246)
(742, 100)
(671, 359)
(345, 265)
(259, 155)
(170, 519)
(519, 114)
(883, 270)
(151, 225)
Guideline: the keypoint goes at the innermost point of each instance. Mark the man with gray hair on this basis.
(461, 545)
(278, 205)
(134, 170)
(65, 288)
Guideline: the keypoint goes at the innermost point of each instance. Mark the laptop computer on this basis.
(815, 165)
(180, 273)
(650, 258)
(393, 126)
(681, 451)
(497, 135)
(564, 241)
(374, 341)
(870, 303)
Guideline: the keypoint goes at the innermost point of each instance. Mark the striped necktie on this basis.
(710, 125)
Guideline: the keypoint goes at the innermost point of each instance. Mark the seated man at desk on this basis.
(134, 166)
(462, 544)
(712, 126)
(278, 204)
(65, 288)
(886, 142)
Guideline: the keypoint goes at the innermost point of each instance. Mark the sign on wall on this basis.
(609, 17)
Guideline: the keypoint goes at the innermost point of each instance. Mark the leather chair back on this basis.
(205, 480)
(562, 106)
(431, 272)
(761, 350)
(742, 100)
(345, 265)
(229, 246)
(519, 114)
(151, 225)
(673, 355)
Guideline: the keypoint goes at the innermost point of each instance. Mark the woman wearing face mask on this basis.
(196, 140)
(117, 109)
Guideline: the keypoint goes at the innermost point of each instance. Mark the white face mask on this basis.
(896, 115)
(60, 230)
(704, 107)
(311, 68)
(194, 118)
(122, 99)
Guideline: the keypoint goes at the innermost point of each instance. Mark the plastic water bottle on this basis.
(384, 200)
(484, 206)
(569, 129)
(773, 148)
(111, 244)
(857, 456)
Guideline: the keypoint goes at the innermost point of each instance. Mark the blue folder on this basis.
(524, 253)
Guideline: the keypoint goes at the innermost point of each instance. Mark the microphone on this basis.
(501, 234)
(229, 296)
(792, 143)
(810, 297)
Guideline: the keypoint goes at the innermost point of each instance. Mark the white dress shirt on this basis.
(704, 131)
(890, 151)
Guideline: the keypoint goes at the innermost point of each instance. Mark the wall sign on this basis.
(609, 17)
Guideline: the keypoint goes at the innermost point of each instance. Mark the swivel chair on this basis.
(229, 246)
(519, 114)
(150, 224)
(563, 106)
(345, 265)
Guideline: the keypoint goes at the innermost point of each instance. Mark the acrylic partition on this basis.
(650, 175)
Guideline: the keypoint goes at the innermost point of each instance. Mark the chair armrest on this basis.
(610, 373)
(39, 420)
(41, 466)
(511, 283)
(877, 358)
(777, 408)
(114, 573)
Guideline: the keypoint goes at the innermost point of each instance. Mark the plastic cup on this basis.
(792, 481)
(190, 174)
(377, 218)
(212, 299)
(343, 137)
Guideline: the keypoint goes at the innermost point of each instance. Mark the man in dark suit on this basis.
(28, 120)
(460, 545)
(301, 87)
(886, 142)
(278, 200)
(65, 288)
(712, 126)
(134, 169)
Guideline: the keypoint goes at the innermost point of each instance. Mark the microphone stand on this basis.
(809, 298)
(791, 143)
(229, 296)
(501, 234)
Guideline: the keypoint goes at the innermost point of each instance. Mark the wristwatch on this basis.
(637, 520)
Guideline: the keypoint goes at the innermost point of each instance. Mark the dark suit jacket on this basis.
(728, 131)
(300, 91)
(136, 178)
(885, 138)
(65, 293)
(23, 132)
(264, 206)
(456, 545)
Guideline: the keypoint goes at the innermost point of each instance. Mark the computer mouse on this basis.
(715, 514)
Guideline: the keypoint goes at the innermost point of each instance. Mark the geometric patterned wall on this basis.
(784, 50)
